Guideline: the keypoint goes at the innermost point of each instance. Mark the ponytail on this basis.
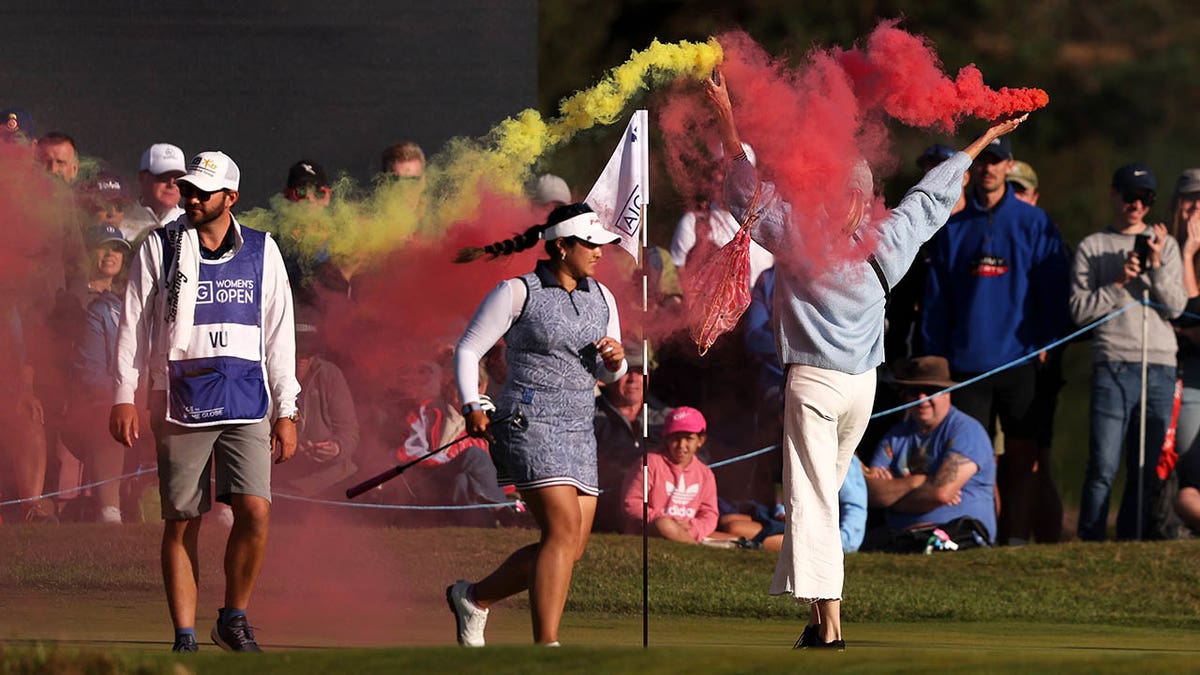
(516, 244)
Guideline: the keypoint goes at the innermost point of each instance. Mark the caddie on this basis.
(208, 317)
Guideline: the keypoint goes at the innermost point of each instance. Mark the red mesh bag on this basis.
(716, 284)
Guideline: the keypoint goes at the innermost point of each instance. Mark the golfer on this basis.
(829, 332)
(562, 333)
(208, 316)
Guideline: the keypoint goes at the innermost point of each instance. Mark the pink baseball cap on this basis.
(684, 420)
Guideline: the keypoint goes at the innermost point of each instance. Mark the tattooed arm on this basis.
(944, 489)
(885, 491)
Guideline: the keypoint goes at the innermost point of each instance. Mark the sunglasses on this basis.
(299, 194)
(1146, 197)
(187, 191)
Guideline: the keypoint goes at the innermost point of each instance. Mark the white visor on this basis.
(585, 226)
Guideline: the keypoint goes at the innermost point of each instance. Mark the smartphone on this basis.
(1141, 248)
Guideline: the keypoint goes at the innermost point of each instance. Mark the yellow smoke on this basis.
(359, 225)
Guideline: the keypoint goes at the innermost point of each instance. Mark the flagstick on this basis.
(645, 440)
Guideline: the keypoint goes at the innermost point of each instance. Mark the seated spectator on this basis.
(764, 527)
(682, 490)
(937, 465)
(1187, 502)
(619, 443)
(462, 473)
(90, 394)
(327, 433)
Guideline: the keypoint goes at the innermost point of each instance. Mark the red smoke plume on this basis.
(810, 124)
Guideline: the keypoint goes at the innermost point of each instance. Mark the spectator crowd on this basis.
(996, 288)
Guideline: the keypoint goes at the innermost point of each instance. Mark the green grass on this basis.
(87, 599)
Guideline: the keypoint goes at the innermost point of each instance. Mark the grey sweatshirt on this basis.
(1099, 263)
(835, 321)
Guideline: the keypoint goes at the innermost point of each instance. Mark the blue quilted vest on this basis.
(221, 378)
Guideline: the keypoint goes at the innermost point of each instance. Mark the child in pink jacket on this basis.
(683, 492)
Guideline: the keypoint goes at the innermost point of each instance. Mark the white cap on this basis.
(585, 226)
(163, 158)
(212, 171)
(551, 188)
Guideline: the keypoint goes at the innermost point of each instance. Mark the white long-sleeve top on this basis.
(143, 338)
(722, 227)
(492, 320)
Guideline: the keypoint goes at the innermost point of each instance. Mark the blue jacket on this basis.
(94, 366)
(998, 285)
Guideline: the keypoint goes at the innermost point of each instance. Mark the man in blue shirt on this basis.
(937, 465)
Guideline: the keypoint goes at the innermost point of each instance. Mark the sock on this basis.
(227, 614)
(180, 632)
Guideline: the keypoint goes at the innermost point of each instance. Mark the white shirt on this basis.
(493, 319)
(722, 226)
(140, 220)
(143, 339)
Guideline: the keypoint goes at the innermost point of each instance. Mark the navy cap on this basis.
(1134, 177)
(934, 155)
(999, 147)
(14, 121)
(106, 187)
(101, 234)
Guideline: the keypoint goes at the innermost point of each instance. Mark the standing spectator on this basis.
(829, 332)
(712, 226)
(682, 494)
(1127, 260)
(16, 126)
(105, 200)
(549, 192)
(937, 464)
(405, 161)
(208, 317)
(57, 154)
(93, 371)
(158, 201)
(1185, 227)
(997, 291)
(620, 409)
(1047, 501)
(1024, 182)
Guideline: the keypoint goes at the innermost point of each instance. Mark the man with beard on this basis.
(208, 315)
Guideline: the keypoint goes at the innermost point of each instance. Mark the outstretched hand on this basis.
(716, 89)
(999, 127)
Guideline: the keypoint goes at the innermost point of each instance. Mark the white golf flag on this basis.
(622, 192)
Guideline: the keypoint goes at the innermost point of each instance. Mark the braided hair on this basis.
(523, 241)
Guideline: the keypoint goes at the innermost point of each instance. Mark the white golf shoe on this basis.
(469, 617)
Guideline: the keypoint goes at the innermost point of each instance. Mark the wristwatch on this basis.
(469, 408)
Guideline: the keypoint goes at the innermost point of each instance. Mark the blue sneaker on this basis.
(235, 635)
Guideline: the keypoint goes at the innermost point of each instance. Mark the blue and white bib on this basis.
(221, 377)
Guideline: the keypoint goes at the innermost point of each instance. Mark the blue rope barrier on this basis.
(714, 465)
(748, 455)
(75, 489)
(1015, 362)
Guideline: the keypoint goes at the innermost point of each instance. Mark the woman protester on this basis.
(1185, 227)
(93, 367)
(562, 334)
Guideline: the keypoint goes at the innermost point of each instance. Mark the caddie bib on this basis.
(221, 377)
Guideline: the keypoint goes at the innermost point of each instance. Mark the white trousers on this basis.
(825, 415)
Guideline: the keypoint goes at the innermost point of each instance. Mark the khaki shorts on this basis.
(242, 453)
